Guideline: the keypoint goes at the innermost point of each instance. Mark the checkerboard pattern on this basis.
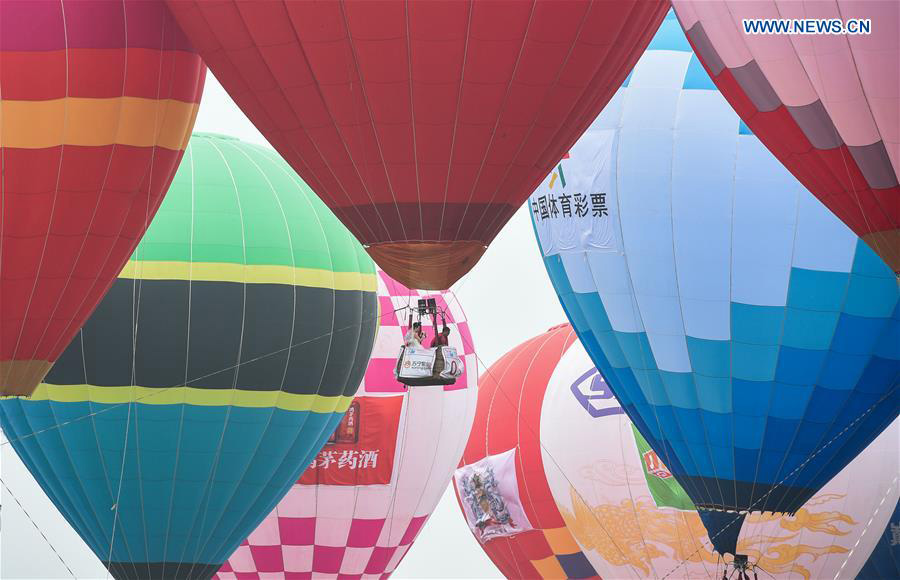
(364, 531)
(393, 295)
(563, 557)
(292, 547)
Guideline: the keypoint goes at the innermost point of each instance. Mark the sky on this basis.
(507, 298)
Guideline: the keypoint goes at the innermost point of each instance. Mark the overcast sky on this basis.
(507, 298)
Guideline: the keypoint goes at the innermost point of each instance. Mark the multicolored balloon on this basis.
(423, 125)
(508, 417)
(359, 507)
(827, 105)
(622, 505)
(617, 503)
(212, 372)
(97, 102)
(751, 337)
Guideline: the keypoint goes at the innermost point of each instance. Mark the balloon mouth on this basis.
(180, 570)
(21, 377)
(427, 265)
(887, 245)
(723, 528)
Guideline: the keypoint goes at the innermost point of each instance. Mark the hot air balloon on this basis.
(827, 105)
(519, 527)
(750, 336)
(361, 503)
(210, 375)
(632, 520)
(884, 561)
(422, 125)
(97, 102)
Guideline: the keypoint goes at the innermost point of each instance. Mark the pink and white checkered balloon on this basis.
(360, 506)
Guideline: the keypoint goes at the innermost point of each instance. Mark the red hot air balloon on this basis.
(97, 101)
(532, 540)
(422, 125)
(827, 105)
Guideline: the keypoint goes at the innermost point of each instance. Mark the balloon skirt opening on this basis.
(887, 245)
(21, 377)
(162, 570)
(427, 265)
(723, 529)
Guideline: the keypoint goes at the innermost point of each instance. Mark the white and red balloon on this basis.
(361, 504)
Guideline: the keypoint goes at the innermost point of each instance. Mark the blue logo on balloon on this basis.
(590, 389)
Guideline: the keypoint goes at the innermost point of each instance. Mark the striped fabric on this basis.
(203, 396)
(97, 101)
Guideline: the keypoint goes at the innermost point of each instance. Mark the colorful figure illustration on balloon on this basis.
(480, 490)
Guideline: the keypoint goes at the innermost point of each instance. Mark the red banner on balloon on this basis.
(361, 449)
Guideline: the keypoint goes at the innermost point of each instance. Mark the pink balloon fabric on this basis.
(359, 507)
(827, 105)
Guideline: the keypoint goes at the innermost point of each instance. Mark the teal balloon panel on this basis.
(749, 334)
(211, 373)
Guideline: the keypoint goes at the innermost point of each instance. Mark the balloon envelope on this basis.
(423, 125)
(97, 102)
(884, 561)
(510, 398)
(360, 505)
(827, 105)
(751, 337)
(632, 519)
(210, 375)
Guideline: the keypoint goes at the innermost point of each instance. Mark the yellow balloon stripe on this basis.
(249, 274)
(191, 396)
(96, 122)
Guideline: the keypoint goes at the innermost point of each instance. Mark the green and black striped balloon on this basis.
(211, 373)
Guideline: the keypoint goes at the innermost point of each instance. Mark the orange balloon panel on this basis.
(98, 101)
(422, 125)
